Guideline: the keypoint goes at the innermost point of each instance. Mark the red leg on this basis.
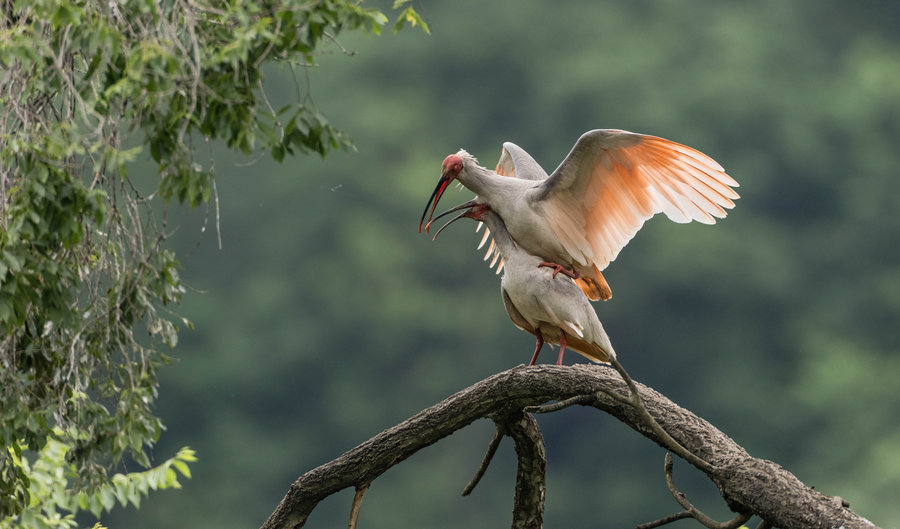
(562, 347)
(537, 348)
(558, 268)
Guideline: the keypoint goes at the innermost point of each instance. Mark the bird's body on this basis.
(549, 306)
(516, 200)
(582, 215)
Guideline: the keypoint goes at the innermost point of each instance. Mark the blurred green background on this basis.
(325, 318)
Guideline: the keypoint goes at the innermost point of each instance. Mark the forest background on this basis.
(325, 318)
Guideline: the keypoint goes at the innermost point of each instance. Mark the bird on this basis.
(578, 218)
(550, 307)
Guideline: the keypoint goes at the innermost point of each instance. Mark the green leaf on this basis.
(93, 65)
(277, 153)
(6, 310)
(410, 16)
(107, 498)
(183, 468)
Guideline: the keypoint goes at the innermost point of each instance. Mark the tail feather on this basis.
(594, 285)
(591, 351)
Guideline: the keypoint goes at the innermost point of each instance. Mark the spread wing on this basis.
(516, 163)
(613, 181)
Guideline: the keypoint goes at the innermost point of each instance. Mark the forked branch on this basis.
(747, 484)
(528, 505)
(689, 510)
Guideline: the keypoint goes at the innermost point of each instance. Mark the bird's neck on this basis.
(513, 254)
(487, 184)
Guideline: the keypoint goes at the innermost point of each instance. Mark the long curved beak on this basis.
(468, 208)
(442, 184)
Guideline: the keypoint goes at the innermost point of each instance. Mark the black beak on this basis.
(468, 208)
(442, 184)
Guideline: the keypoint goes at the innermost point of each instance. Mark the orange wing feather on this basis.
(613, 181)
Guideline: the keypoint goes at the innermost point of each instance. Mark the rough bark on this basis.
(749, 485)
(528, 504)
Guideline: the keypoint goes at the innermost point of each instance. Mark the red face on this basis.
(452, 165)
(450, 169)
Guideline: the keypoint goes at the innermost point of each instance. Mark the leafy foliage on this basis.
(83, 266)
(49, 488)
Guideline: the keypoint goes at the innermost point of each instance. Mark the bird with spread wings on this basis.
(578, 218)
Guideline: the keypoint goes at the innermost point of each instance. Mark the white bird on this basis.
(579, 218)
(551, 308)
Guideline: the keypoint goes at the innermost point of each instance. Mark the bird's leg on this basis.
(558, 268)
(537, 348)
(562, 347)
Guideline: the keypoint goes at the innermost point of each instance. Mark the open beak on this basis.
(468, 208)
(439, 189)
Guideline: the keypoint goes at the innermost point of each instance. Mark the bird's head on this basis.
(451, 168)
(472, 209)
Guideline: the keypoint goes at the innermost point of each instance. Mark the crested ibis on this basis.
(551, 308)
(579, 218)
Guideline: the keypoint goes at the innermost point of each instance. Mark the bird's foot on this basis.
(558, 268)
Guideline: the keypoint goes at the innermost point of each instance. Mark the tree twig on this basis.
(556, 406)
(665, 520)
(694, 512)
(357, 504)
(485, 462)
(663, 435)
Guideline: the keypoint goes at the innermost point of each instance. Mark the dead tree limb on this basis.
(488, 457)
(528, 504)
(748, 485)
(689, 510)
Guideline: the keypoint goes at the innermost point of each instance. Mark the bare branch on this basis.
(485, 462)
(694, 512)
(337, 43)
(528, 510)
(660, 432)
(747, 484)
(357, 504)
(665, 520)
(556, 406)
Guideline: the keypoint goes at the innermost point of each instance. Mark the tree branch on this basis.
(666, 520)
(693, 512)
(488, 457)
(748, 485)
(528, 510)
(662, 436)
(357, 504)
